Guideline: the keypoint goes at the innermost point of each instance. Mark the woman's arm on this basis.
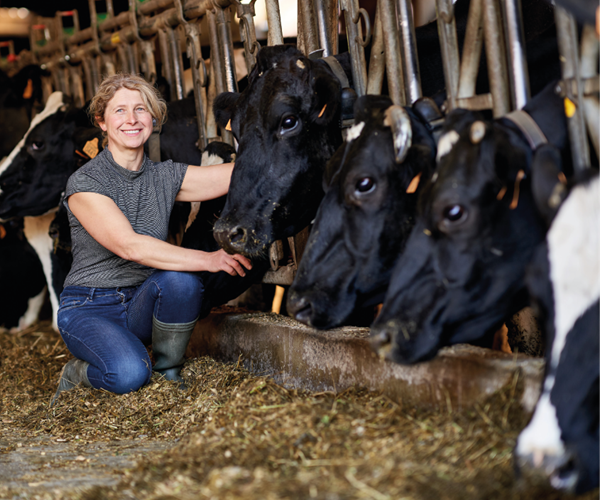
(205, 183)
(105, 222)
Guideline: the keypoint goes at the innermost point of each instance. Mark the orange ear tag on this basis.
(228, 126)
(515, 200)
(562, 178)
(2, 231)
(322, 111)
(28, 92)
(91, 148)
(501, 193)
(412, 187)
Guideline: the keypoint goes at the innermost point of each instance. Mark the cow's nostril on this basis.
(300, 308)
(237, 235)
(381, 343)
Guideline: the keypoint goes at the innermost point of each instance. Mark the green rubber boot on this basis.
(72, 374)
(169, 342)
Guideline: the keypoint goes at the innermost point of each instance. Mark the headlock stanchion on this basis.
(162, 30)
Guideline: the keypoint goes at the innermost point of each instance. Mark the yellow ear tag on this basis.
(322, 111)
(412, 187)
(28, 92)
(228, 126)
(562, 178)
(501, 193)
(91, 148)
(570, 107)
(115, 38)
(515, 200)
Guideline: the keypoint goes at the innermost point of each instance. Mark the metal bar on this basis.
(410, 60)
(177, 64)
(391, 41)
(517, 56)
(194, 53)
(166, 68)
(566, 30)
(496, 57)
(449, 47)
(588, 68)
(323, 28)
(377, 60)
(355, 37)
(309, 26)
(275, 34)
(471, 52)
(225, 40)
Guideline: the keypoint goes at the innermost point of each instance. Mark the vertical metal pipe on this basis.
(177, 64)
(517, 56)
(223, 17)
(216, 59)
(309, 25)
(357, 52)
(391, 43)
(566, 30)
(496, 57)
(322, 28)
(275, 34)
(377, 60)
(471, 52)
(588, 68)
(167, 71)
(410, 60)
(449, 46)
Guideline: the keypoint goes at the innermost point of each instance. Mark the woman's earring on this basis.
(154, 122)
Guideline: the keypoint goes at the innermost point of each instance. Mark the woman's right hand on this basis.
(231, 264)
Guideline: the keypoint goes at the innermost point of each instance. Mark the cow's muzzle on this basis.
(232, 240)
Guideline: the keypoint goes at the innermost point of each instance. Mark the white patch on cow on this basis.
(446, 142)
(574, 256)
(34, 306)
(55, 101)
(36, 232)
(300, 64)
(195, 208)
(542, 436)
(354, 131)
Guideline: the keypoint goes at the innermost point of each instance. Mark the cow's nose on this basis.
(381, 342)
(232, 240)
(299, 308)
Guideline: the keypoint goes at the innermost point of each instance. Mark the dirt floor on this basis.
(234, 435)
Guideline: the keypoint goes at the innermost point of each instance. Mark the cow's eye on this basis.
(37, 145)
(455, 213)
(365, 185)
(288, 124)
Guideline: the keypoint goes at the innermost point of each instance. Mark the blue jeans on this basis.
(111, 327)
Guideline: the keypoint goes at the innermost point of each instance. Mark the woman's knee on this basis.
(181, 284)
(127, 376)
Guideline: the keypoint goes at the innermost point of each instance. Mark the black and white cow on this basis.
(23, 286)
(462, 271)
(287, 124)
(372, 184)
(561, 441)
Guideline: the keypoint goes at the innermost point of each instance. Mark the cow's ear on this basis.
(224, 106)
(327, 91)
(548, 183)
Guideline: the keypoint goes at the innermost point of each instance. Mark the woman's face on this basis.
(127, 121)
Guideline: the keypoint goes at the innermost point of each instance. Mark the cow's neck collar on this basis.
(528, 127)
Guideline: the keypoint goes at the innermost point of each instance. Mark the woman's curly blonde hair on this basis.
(108, 88)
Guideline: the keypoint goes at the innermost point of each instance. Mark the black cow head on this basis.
(287, 125)
(561, 443)
(34, 175)
(462, 270)
(366, 216)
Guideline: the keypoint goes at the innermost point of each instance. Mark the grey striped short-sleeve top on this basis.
(146, 197)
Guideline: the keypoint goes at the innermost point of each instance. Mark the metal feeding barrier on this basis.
(169, 30)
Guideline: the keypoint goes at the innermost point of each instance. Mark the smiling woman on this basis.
(127, 287)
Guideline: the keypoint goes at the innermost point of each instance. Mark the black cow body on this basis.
(561, 442)
(20, 99)
(365, 218)
(461, 273)
(23, 289)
